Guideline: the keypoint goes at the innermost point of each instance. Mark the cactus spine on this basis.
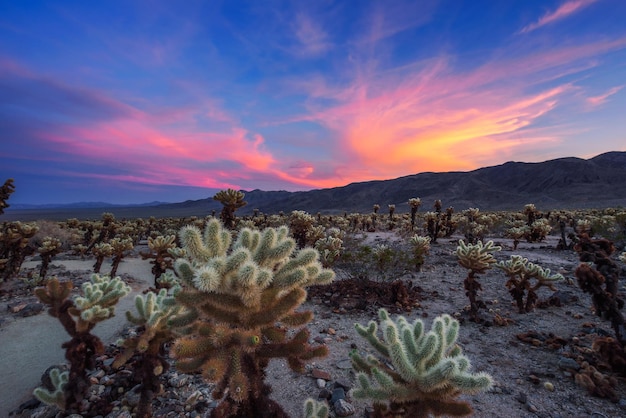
(422, 372)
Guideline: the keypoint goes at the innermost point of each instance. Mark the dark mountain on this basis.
(564, 183)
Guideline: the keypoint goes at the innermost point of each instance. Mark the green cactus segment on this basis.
(241, 296)
(100, 296)
(55, 397)
(421, 371)
(315, 409)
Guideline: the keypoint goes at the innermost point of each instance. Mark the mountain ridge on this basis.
(562, 183)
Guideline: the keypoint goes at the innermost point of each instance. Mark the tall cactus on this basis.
(78, 317)
(153, 312)
(477, 258)
(231, 201)
(421, 373)
(241, 299)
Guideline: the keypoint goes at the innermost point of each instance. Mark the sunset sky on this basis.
(135, 101)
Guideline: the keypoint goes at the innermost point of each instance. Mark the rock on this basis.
(178, 381)
(338, 393)
(324, 394)
(566, 363)
(344, 364)
(343, 408)
(321, 374)
(30, 310)
(321, 383)
(342, 384)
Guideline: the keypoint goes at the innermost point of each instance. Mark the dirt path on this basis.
(31, 345)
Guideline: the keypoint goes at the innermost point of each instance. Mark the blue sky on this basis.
(134, 101)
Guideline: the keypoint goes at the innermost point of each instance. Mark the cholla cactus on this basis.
(154, 310)
(241, 300)
(231, 201)
(119, 247)
(420, 247)
(477, 258)
(521, 272)
(421, 373)
(330, 249)
(48, 249)
(101, 251)
(162, 260)
(315, 409)
(414, 204)
(300, 223)
(79, 316)
(56, 395)
(14, 244)
(5, 191)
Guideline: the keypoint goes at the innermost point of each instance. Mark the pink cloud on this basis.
(598, 100)
(563, 11)
(427, 117)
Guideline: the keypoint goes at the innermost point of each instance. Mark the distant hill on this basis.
(563, 183)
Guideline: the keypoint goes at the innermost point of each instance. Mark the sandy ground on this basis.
(519, 370)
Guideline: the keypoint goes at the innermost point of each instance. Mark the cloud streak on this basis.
(566, 9)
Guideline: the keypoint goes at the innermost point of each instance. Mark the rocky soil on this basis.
(533, 357)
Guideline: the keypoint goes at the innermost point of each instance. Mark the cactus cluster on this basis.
(421, 372)
(241, 299)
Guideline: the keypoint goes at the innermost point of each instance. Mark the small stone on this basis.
(194, 398)
(321, 374)
(531, 408)
(178, 381)
(566, 363)
(343, 408)
(324, 394)
(521, 397)
(344, 364)
(331, 331)
(342, 384)
(338, 393)
(549, 386)
(321, 383)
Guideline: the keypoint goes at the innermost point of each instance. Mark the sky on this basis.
(136, 101)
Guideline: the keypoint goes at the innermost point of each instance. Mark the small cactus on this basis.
(422, 372)
(520, 273)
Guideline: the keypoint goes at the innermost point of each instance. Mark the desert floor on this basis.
(534, 378)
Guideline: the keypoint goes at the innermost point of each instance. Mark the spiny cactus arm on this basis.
(369, 333)
(103, 291)
(315, 409)
(297, 350)
(55, 397)
(54, 294)
(278, 307)
(274, 248)
(297, 319)
(543, 276)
